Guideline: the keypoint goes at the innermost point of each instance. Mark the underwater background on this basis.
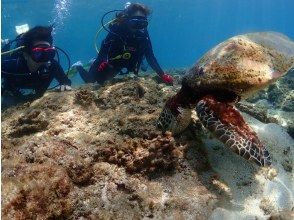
(94, 152)
(181, 31)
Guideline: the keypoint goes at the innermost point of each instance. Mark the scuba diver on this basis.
(124, 48)
(28, 70)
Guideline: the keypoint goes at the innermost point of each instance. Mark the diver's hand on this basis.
(103, 66)
(168, 79)
(63, 88)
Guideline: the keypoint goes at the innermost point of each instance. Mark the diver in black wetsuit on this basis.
(30, 69)
(125, 47)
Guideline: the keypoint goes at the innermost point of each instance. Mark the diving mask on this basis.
(43, 53)
(138, 22)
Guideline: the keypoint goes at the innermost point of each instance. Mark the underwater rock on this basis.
(291, 130)
(80, 171)
(257, 112)
(263, 113)
(140, 178)
(84, 97)
(29, 123)
(282, 215)
(267, 206)
(40, 190)
(285, 119)
(60, 152)
(280, 94)
(121, 93)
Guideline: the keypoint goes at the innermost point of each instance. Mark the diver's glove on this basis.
(103, 66)
(168, 79)
(63, 88)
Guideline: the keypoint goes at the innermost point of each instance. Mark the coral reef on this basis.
(94, 153)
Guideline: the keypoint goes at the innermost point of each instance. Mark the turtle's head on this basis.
(173, 117)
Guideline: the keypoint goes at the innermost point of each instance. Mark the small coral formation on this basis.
(84, 97)
(29, 123)
(144, 156)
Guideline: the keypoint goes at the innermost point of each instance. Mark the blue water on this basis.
(181, 30)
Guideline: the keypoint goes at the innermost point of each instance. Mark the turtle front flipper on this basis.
(228, 125)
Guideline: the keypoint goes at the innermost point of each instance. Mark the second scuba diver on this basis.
(125, 47)
(32, 67)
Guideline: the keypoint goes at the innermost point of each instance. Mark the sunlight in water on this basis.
(59, 13)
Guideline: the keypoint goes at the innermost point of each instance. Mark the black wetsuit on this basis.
(122, 40)
(17, 79)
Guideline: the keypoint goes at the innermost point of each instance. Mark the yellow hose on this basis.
(98, 32)
(12, 51)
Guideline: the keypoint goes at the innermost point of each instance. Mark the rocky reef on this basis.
(94, 153)
(274, 104)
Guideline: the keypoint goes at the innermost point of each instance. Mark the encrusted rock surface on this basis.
(29, 123)
(144, 156)
(84, 97)
(95, 153)
(35, 190)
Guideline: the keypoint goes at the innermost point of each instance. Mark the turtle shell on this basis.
(242, 64)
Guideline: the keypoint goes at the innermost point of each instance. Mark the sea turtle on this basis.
(231, 71)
